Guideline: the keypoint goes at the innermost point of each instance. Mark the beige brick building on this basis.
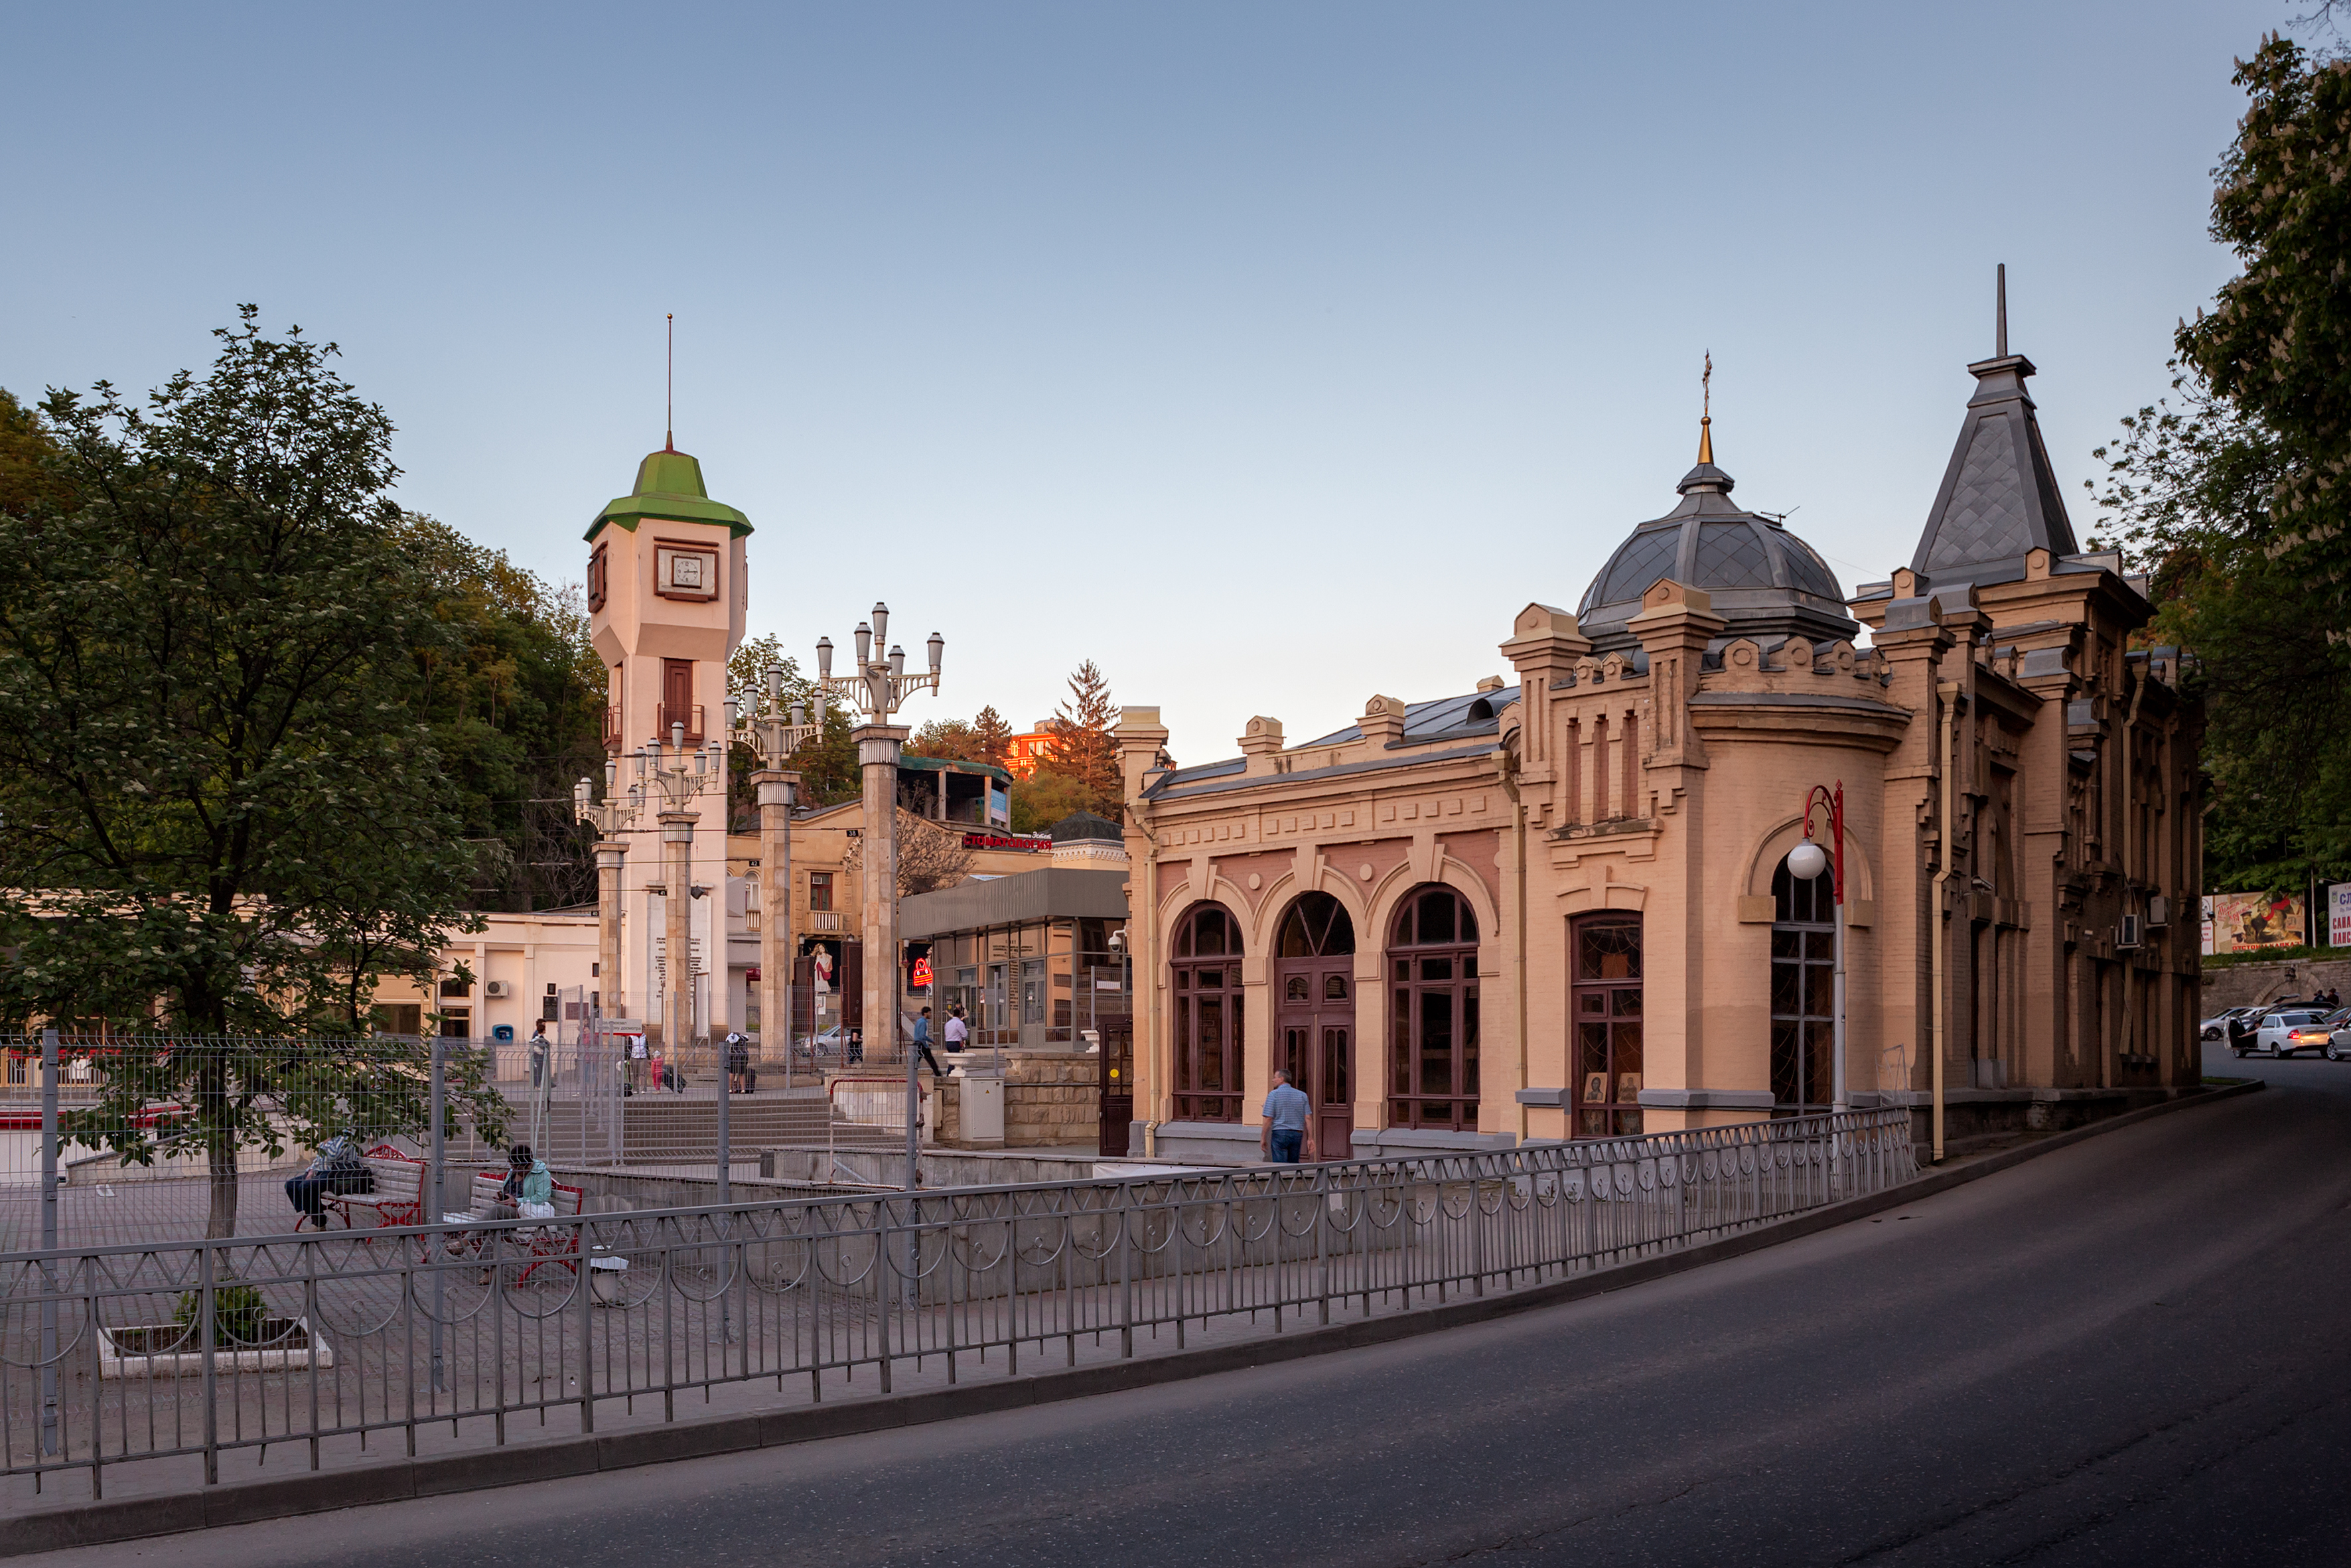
(1562, 904)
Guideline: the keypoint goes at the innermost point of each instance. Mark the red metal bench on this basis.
(398, 1197)
(547, 1246)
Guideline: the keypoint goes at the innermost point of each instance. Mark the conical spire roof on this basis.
(2000, 498)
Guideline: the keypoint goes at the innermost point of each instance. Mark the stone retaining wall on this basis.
(2245, 985)
(1052, 1099)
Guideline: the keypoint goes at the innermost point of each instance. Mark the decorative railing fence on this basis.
(124, 1354)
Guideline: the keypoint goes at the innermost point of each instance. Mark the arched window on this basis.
(1605, 1005)
(1314, 1017)
(1432, 961)
(1205, 978)
(1803, 991)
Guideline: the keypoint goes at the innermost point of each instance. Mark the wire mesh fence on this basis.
(135, 1139)
(196, 1352)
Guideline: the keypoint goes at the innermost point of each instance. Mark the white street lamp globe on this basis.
(1807, 860)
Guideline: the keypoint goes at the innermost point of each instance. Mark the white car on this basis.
(2284, 1033)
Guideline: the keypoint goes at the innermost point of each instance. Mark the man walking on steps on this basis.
(923, 1043)
(1285, 1120)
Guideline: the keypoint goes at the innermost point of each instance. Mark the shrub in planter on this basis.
(238, 1314)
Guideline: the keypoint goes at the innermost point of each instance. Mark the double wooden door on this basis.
(1314, 1038)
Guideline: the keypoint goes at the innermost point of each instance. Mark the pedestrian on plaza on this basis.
(923, 1043)
(339, 1168)
(540, 1045)
(1285, 1120)
(957, 1031)
(738, 1063)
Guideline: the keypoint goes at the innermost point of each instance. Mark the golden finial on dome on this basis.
(1705, 412)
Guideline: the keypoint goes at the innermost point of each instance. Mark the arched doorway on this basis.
(1204, 978)
(1314, 1017)
(1432, 963)
(1803, 992)
(1605, 1005)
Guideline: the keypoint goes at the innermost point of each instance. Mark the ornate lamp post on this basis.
(673, 782)
(613, 817)
(1807, 860)
(875, 689)
(774, 734)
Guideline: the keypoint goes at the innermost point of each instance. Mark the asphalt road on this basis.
(2132, 1351)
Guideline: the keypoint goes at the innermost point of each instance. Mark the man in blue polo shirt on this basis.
(1285, 1120)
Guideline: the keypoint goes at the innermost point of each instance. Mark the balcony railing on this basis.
(827, 920)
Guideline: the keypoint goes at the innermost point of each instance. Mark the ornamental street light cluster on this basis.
(611, 818)
(773, 730)
(875, 688)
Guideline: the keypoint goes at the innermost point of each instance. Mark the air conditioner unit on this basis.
(2158, 911)
(2127, 935)
(497, 990)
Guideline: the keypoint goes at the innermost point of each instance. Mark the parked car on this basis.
(2217, 1026)
(841, 1042)
(2339, 1035)
(2280, 1032)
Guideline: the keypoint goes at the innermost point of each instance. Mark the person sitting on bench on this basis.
(529, 1191)
(339, 1168)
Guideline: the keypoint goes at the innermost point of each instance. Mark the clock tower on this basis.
(666, 599)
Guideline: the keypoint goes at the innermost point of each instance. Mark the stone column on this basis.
(611, 855)
(878, 749)
(776, 955)
(677, 932)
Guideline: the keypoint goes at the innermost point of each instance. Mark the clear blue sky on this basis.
(1271, 355)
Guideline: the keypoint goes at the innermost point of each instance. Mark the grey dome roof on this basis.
(1080, 825)
(1764, 580)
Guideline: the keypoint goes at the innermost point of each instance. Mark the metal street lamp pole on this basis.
(1809, 865)
(775, 735)
(876, 688)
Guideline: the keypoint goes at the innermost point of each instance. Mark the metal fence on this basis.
(191, 1354)
(132, 1139)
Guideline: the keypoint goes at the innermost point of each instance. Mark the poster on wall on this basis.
(2338, 914)
(2207, 949)
(2249, 922)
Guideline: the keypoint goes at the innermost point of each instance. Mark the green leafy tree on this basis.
(747, 681)
(2276, 346)
(951, 738)
(513, 696)
(2231, 490)
(223, 811)
(1045, 796)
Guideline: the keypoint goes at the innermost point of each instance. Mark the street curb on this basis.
(132, 1519)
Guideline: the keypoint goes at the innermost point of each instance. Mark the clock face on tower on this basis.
(682, 570)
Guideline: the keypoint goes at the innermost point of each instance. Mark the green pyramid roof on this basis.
(669, 485)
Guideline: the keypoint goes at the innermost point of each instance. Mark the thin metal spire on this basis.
(1705, 412)
(669, 413)
(2000, 334)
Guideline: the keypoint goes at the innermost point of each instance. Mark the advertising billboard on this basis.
(2249, 922)
(2338, 914)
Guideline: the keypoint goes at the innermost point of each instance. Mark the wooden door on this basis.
(1314, 1031)
(1117, 1085)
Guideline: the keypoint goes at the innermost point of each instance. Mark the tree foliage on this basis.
(2276, 345)
(224, 809)
(2230, 492)
(1083, 747)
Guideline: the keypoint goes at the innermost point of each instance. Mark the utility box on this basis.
(981, 1107)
